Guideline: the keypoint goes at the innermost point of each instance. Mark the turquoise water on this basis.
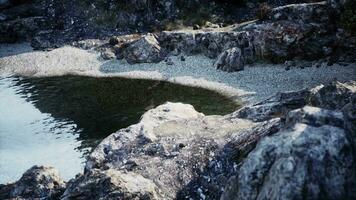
(57, 121)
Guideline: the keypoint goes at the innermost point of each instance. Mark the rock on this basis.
(113, 41)
(173, 146)
(169, 61)
(196, 27)
(314, 116)
(349, 111)
(300, 162)
(40, 43)
(107, 54)
(38, 182)
(182, 58)
(230, 60)
(333, 96)
(144, 50)
(111, 184)
(276, 106)
(211, 25)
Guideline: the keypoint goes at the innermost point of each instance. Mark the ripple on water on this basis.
(56, 121)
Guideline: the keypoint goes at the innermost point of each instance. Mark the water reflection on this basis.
(61, 118)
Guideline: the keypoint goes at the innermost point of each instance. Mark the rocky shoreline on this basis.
(293, 145)
(296, 144)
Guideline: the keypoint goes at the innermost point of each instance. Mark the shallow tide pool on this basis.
(57, 121)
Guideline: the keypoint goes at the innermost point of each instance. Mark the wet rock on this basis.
(144, 50)
(230, 60)
(313, 159)
(38, 182)
(111, 184)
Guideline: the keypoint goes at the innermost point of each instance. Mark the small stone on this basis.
(182, 58)
(108, 55)
(196, 27)
(169, 61)
(113, 41)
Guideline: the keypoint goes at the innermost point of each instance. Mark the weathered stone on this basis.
(301, 162)
(108, 54)
(230, 60)
(36, 183)
(333, 96)
(175, 147)
(111, 184)
(144, 50)
(349, 111)
(314, 116)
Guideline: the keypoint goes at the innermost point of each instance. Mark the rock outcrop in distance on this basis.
(298, 31)
(307, 31)
(295, 145)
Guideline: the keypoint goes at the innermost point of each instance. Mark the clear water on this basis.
(57, 121)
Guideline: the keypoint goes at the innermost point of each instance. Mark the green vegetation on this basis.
(348, 20)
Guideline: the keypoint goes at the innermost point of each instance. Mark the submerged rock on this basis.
(38, 182)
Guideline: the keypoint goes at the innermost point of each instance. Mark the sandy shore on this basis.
(255, 83)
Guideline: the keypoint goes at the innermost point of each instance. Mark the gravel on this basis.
(253, 84)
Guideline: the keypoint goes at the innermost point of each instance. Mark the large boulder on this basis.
(173, 146)
(312, 158)
(38, 182)
(230, 60)
(144, 50)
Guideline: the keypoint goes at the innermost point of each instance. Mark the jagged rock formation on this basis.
(295, 145)
(298, 31)
(36, 183)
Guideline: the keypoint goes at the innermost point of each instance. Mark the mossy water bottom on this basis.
(56, 121)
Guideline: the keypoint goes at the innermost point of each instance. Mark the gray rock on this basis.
(333, 96)
(276, 106)
(144, 50)
(38, 182)
(173, 146)
(300, 162)
(314, 116)
(349, 111)
(111, 184)
(108, 54)
(230, 60)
